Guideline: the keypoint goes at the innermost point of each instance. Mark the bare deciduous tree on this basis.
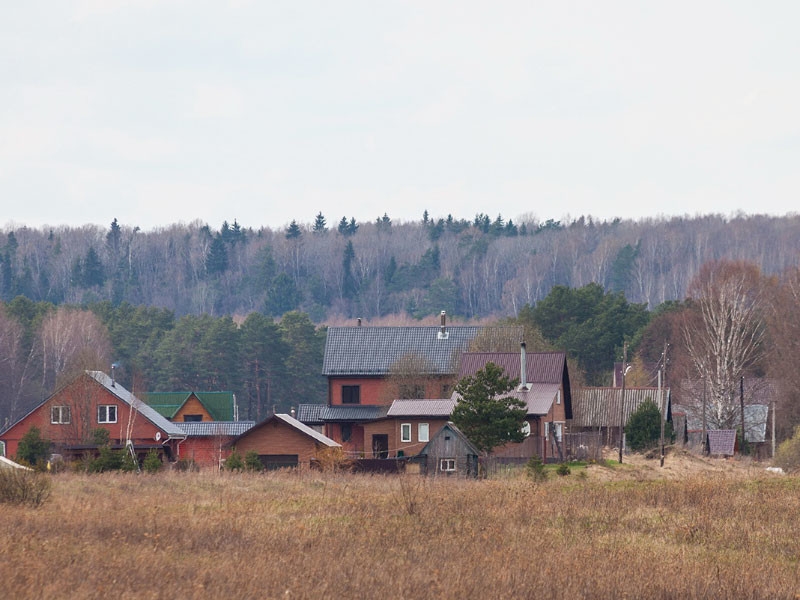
(724, 332)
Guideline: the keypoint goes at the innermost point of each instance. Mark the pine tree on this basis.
(319, 224)
(293, 231)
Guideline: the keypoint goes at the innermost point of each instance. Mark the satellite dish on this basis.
(158, 436)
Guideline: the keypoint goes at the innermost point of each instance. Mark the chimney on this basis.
(443, 327)
(292, 412)
(358, 321)
(113, 380)
(523, 368)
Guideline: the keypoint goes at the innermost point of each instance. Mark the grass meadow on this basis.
(318, 535)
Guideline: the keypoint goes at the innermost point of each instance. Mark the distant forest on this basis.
(190, 308)
(341, 269)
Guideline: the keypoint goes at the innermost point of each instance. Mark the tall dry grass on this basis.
(313, 535)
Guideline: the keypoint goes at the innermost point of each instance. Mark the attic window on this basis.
(107, 413)
(192, 418)
(60, 415)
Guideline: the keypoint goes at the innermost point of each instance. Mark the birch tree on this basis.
(724, 332)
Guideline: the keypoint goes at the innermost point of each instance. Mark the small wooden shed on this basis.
(449, 453)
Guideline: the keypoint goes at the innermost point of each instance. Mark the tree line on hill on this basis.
(477, 268)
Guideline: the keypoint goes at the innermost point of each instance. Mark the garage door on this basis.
(278, 461)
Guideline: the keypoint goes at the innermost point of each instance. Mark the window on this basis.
(526, 428)
(351, 394)
(405, 432)
(448, 465)
(422, 432)
(2, 448)
(347, 432)
(558, 428)
(107, 413)
(60, 415)
(192, 418)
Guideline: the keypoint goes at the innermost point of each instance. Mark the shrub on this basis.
(20, 486)
(787, 457)
(563, 469)
(535, 468)
(234, 462)
(151, 463)
(643, 430)
(100, 437)
(108, 460)
(33, 448)
(333, 460)
(129, 462)
(252, 462)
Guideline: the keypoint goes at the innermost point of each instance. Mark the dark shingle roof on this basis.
(373, 350)
(352, 413)
(310, 413)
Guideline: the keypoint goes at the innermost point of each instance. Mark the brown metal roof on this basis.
(422, 408)
(540, 367)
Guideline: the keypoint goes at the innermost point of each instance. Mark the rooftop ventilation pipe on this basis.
(443, 327)
(523, 368)
(358, 321)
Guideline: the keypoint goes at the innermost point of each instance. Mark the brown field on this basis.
(614, 533)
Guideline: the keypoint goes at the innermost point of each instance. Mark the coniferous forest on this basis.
(188, 306)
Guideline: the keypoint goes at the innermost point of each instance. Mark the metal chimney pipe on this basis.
(523, 367)
(444, 322)
(358, 321)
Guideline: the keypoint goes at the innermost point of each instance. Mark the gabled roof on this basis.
(599, 406)
(455, 431)
(143, 409)
(213, 428)
(295, 424)
(538, 398)
(422, 408)
(218, 404)
(540, 367)
(373, 350)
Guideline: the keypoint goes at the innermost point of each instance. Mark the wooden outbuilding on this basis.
(449, 454)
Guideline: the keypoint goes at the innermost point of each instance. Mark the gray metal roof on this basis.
(212, 428)
(540, 367)
(373, 350)
(422, 408)
(322, 439)
(538, 399)
(143, 409)
(310, 413)
(599, 406)
(352, 413)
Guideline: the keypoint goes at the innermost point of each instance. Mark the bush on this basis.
(33, 448)
(151, 463)
(787, 456)
(535, 469)
(252, 462)
(100, 437)
(234, 462)
(563, 469)
(108, 460)
(643, 430)
(20, 486)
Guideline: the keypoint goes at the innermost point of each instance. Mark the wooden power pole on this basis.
(622, 401)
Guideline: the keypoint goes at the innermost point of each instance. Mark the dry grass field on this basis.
(613, 533)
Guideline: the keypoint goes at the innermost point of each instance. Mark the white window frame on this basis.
(2, 448)
(447, 465)
(103, 411)
(423, 432)
(526, 428)
(64, 415)
(405, 432)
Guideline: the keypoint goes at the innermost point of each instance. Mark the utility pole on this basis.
(741, 401)
(705, 433)
(622, 401)
(661, 398)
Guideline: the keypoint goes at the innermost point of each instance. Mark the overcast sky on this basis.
(162, 112)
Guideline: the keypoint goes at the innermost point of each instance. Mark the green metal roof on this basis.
(218, 404)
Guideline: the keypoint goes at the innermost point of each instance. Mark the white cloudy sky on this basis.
(166, 111)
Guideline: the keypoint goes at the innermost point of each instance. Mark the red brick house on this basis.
(208, 442)
(94, 401)
(283, 441)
